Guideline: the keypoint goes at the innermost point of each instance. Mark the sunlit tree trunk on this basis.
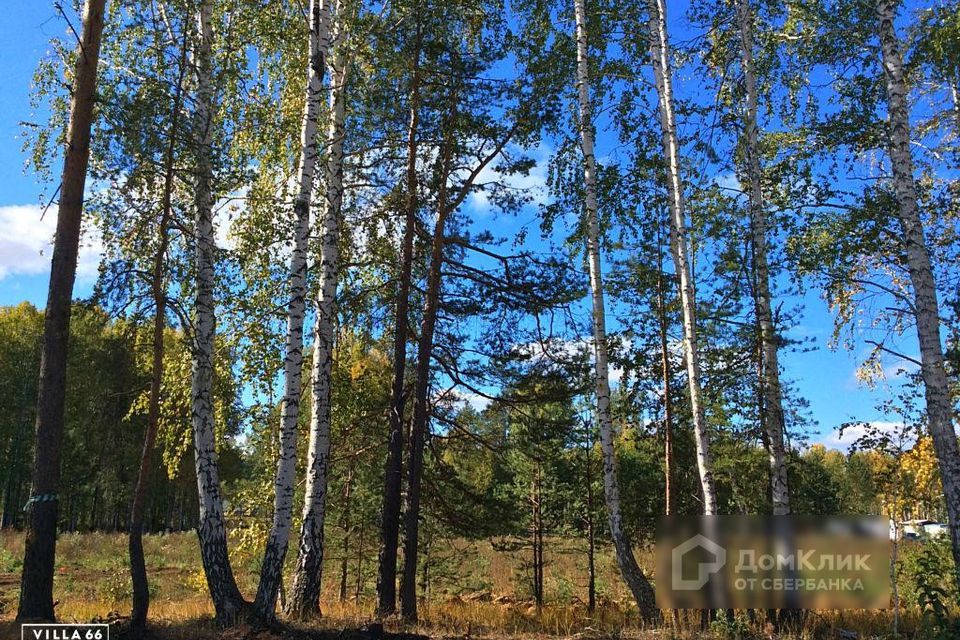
(393, 473)
(276, 548)
(773, 418)
(660, 54)
(211, 527)
(926, 307)
(36, 584)
(305, 599)
(638, 583)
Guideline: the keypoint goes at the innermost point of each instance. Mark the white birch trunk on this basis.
(773, 417)
(926, 307)
(212, 529)
(276, 548)
(306, 585)
(660, 53)
(632, 574)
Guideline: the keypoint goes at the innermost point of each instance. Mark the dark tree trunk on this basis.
(345, 527)
(421, 408)
(359, 586)
(411, 517)
(591, 532)
(138, 569)
(668, 493)
(537, 538)
(36, 586)
(393, 473)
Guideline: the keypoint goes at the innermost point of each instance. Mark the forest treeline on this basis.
(508, 476)
(471, 268)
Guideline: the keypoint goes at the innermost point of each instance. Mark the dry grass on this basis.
(477, 589)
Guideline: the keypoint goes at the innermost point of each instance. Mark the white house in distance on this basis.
(917, 529)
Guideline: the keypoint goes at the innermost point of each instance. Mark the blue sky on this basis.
(824, 377)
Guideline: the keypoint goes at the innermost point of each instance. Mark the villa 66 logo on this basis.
(65, 632)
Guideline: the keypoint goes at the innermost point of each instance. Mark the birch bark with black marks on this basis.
(773, 416)
(393, 473)
(305, 597)
(211, 528)
(138, 571)
(926, 310)
(632, 574)
(660, 55)
(271, 571)
(36, 583)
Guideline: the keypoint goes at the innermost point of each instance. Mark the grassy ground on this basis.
(475, 589)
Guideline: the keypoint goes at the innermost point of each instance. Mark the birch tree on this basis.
(36, 583)
(925, 304)
(679, 246)
(305, 598)
(212, 532)
(276, 548)
(772, 415)
(629, 569)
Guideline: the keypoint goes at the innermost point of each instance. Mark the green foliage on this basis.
(9, 563)
(925, 572)
(732, 628)
(107, 373)
(511, 453)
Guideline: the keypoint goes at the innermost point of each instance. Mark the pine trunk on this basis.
(660, 54)
(305, 598)
(346, 527)
(632, 574)
(138, 570)
(773, 418)
(926, 307)
(36, 585)
(393, 473)
(668, 493)
(421, 408)
(591, 534)
(271, 569)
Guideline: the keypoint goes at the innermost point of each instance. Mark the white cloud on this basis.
(225, 212)
(853, 433)
(728, 182)
(475, 400)
(533, 184)
(900, 367)
(569, 350)
(26, 243)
